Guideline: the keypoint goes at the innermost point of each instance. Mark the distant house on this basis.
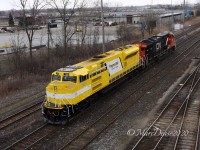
(126, 17)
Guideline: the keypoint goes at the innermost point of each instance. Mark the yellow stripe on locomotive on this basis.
(73, 84)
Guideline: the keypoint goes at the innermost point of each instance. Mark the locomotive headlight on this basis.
(52, 105)
(49, 104)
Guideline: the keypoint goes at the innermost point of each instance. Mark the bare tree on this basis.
(65, 13)
(84, 17)
(11, 20)
(197, 7)
(32, 11)
(150, 19)
(19, 49)
(126, 33)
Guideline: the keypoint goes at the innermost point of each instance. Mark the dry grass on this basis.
(18, 82)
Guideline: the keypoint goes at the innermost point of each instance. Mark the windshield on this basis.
(55, 77)
(69, 78)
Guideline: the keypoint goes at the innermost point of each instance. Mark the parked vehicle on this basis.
(7, 48)
(105, 23)
(36, 27)
(52, 25)
(100, 24)
(7, 29)
(2, 31)
(113, 24)
(97, 24)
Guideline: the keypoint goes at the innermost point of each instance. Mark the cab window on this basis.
(69, 78)
(83, 78)
(55, 77)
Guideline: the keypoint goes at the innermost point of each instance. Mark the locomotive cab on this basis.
(168, 40)
(67, 88)
(171, 41)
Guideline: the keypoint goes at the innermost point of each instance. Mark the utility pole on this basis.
(173, 19)
(183, 13)
(48, 33)
(102, 20)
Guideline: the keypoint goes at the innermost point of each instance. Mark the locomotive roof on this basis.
(82, 71)
(69, 68)
(165, 33)
(78, 70)
(148, 42)
(96, 61)
(153, 39)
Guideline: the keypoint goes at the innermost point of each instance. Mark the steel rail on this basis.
(27, 107)
(197, 136)
(164, 109)
(185, 101)
(13, 144)
(183, 118)
(20, 115)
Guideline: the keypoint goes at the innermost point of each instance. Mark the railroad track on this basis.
(24, 111)
(21, 105)
(14, 118)
(32, 137)
(187, 31)
(113, 112)
(180, 114)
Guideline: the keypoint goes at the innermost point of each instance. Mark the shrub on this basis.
(126, 32)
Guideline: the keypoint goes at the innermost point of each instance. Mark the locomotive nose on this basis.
(59, 94)
(61, 88)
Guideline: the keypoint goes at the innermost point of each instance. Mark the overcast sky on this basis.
(147, 2)
(10, 4)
